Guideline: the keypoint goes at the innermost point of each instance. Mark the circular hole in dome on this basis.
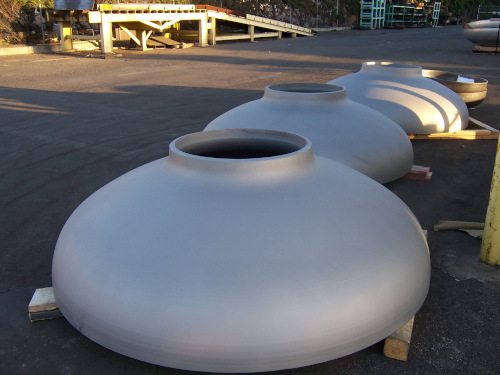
(306, 88)
(237, 148)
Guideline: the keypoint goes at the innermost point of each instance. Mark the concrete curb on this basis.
(321, 29)
(46, 48)
(84, 45)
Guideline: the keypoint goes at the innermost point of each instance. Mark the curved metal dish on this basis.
(240, 252)
(325, 115)
(484, 36)
(396, 90)
(480, 24)
(473, 93)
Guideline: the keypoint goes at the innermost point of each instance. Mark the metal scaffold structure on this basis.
(372, 14)
(375, 14)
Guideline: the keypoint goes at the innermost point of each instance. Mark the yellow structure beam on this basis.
(490, 246)
(131, 35)
(65, 30)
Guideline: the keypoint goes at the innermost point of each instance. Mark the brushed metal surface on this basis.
(240, 265)
(340, 129)
(400, 91)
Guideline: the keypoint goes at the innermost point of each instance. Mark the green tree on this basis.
(19, 22)
(469, 8)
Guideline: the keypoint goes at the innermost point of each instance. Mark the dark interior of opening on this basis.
(241, 148)
(306, 89)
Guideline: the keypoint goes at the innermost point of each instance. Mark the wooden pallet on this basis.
(161, 40)
(154, 44)
(486, 49)
(475, 130)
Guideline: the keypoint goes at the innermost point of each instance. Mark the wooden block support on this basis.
(487, 49)
(451, 225)
(43, 305)
(475, 130)
(474, 229)
(397, 345)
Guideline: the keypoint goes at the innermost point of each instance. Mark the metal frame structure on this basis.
(372, 14)
(165, 18)
(375, 14)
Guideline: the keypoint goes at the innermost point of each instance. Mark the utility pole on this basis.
(337, 13)
(317, 12)
(41, 20)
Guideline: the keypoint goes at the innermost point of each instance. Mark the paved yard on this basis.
(70, 124)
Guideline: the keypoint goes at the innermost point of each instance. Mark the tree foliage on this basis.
(19, 22)
(468, 8)
(303, 12)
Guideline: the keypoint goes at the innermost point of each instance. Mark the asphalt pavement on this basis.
(69, 124)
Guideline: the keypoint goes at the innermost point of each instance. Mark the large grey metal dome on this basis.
(214, 259)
